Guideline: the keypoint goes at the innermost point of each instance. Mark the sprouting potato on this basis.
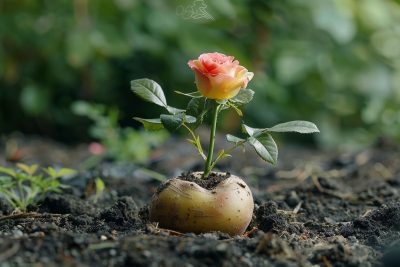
(187, 207)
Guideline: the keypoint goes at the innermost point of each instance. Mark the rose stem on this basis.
(207, 168)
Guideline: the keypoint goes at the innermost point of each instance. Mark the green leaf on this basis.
(51, 172)
(243, 97)
(221, 155)
(238, 111)
(247, 129)
(196, 106)
(174, 111)
(30, 170)
(251, 131)
(66, 172)
(190, 119)
(7, 171)
(56, 174)
(6, 183)
(151, 124)
(233, 139)
(172, 122)
(265, 147)
(150, 91)
(100, 186)
(295, 126)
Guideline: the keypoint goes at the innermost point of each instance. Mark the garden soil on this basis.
(312, 209)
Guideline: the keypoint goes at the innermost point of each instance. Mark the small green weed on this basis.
(27, 185)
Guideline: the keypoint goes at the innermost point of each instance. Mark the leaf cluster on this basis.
(263, 143)
(26, 185)
(189, 118)
(196, 110)
(176, 118)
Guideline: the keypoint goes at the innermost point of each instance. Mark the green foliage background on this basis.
(334, 62)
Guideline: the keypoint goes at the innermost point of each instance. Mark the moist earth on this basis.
(211, 182)
(312, 209)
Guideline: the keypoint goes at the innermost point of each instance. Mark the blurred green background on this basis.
(333, 62)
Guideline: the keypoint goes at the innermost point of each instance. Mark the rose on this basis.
(219, 76)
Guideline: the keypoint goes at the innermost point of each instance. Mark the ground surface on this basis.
(313, 209)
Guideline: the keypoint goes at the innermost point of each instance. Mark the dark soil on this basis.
(210, 183)
(313, 209)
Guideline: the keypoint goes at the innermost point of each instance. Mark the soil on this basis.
(210, 183)
(313, 209)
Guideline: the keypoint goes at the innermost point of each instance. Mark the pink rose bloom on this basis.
(219, 76)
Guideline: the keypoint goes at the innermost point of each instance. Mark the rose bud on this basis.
(219, 76)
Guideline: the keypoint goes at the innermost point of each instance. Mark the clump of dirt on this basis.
(268, 219)
(5, 207)
(278, 250)
(124, 213)
(372, 227)
(387, 215)
(66, 204)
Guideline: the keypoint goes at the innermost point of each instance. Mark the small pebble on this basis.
(79, 240)
(75, 253)
(17, 233)
(221, 247)
(113, 252)
(147, 254)
(292, 199)
(246, 262)
(210, 236)
(38, 234)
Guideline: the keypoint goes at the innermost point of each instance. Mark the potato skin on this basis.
(187, 207)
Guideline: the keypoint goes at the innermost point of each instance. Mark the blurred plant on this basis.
(120, 144)
(25, 186)
(339, 57)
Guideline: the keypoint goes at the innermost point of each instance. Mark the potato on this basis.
(187, 207)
